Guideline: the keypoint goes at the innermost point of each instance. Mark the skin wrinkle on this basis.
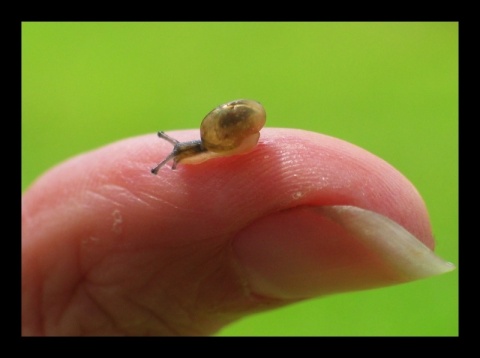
(102, 308)
(90, 273)
(115, 194)
(54, 305)
(92, 197)
(219, 270)
(152, 282)
(166, 293)
(158, 318)
(203, 282)
(92, 254)
(200, 282)
(210, 265)
(71, 303)
(131, 197)
(106, 196)
(159, 201)
(74, 296)
(153, 279)
(88, 264)
(108, 303)
(135, 308)
(72, 299)
(112, 192)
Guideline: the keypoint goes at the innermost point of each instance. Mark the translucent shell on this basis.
(231, 128)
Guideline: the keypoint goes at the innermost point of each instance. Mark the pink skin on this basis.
(109, 248)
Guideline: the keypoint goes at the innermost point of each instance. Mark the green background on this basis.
(391, 88)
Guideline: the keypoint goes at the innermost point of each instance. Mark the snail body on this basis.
(229, 129)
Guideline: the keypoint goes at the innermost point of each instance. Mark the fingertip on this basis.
(312, 251)
(123, 225)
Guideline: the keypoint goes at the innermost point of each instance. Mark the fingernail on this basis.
(311, 251)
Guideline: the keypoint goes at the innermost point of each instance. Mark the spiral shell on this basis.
(229, 126)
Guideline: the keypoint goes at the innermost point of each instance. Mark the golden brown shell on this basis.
(226, 127)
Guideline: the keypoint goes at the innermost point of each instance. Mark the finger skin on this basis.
(109, 248)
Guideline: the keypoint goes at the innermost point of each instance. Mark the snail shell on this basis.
(233, 126)
(229, 129)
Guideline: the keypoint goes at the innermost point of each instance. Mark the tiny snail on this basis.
(231, 128)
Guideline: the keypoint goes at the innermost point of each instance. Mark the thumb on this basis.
(108, 248)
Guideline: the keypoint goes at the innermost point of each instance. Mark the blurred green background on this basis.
(391, 88)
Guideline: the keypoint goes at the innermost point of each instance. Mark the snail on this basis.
(229, 129)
